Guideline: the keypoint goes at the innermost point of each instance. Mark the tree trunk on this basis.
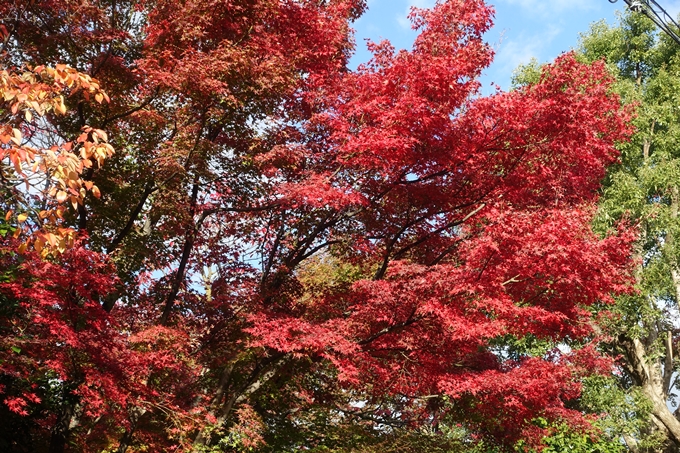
(648, 375)
(239, 396)
(62, 428)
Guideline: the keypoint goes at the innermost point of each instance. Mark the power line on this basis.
(657, 14)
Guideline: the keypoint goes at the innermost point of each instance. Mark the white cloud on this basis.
(402, 19)
(522, 49)
(672, 8)
(403, 22)
(421, 3)
(544, 7)
(516, 52)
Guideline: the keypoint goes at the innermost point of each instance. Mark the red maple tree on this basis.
(277, 233)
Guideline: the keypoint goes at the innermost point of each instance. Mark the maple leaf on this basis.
(278, 235)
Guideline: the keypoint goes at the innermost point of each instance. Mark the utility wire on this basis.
(657, 14)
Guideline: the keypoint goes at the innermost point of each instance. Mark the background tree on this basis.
(644, 187)
(289, 253)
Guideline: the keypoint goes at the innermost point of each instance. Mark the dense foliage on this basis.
(644, 188)
(218, 237)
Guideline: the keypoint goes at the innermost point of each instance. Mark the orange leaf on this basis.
(39, 244)
(52, 239)
(60, 107)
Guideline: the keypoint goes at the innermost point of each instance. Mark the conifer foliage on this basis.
(218, 237)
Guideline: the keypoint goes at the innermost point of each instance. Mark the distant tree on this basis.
(644, 188)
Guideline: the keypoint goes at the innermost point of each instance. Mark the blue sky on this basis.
(523, 29)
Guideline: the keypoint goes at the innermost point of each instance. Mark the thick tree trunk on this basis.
(632, 444)
(127, 438)
(238, 397)
(650, 367)
(63, 426)
(648, 375)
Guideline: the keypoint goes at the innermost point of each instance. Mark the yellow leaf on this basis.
(22, 218)
(61, 196)
(59, 106)
(28, 115)
(17, 137)
(99, 97)
(96, 192)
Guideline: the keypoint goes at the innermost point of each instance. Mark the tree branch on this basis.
(411, 320)
(148, 190)
(668, 363)
(134, 109)
(190, 237)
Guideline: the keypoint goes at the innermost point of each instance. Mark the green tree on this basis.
(644, 189)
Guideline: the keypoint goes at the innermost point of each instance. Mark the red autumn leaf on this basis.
(283, 237)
